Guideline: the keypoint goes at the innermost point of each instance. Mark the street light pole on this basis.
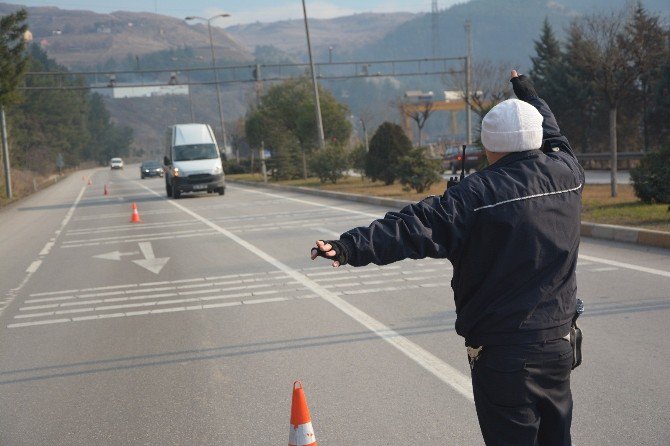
(319, 121)
(216, 73)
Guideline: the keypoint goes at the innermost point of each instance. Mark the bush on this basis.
(387, 146)
(329, 164)
(418, 172)
(232, 167)
(651, 179)
(357, 159)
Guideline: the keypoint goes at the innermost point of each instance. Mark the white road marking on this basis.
(11, 295)
(34, 266)
(311, 203)
(133, 238)
(150, 262)
(156, 311)
(443, 371)
(47, 247)
(115, 255)
(643, 269)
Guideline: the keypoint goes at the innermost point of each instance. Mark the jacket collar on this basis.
(514, 157)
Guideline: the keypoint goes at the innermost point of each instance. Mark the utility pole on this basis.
(319, 122)
(5, 153)
(365, 135)
(216, 73)
(261, 150)
(468, 80)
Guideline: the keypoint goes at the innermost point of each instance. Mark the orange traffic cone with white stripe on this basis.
(135, 218)
(301, 432)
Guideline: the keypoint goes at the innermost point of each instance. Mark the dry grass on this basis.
(598, 206)
(24, 183)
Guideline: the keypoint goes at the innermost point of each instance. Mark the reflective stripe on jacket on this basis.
(511, 232)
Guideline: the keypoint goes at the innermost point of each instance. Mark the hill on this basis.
(342, 34)
(86, 39)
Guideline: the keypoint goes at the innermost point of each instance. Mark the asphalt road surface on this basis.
(190, 327)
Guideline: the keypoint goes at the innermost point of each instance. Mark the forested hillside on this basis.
(74, 123)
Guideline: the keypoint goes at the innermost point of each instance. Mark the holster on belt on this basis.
(576, 336)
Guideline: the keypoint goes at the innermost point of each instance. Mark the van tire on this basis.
(176, 193)
(221, 190)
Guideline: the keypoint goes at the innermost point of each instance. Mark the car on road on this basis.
(151, 169)
(116, 163)
(453, 158)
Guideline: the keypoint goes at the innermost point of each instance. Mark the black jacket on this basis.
(511, 232)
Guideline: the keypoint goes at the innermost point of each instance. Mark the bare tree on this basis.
(419, 114)
(489, 86)
(602, 54)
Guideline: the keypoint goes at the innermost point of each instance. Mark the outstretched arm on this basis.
(433, 227)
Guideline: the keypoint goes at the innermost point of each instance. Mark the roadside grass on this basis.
(597, 204)
(24, 183)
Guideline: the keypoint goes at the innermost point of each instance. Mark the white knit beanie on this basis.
(512, 126)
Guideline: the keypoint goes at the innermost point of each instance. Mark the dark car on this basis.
(151, 169)
(453, 158)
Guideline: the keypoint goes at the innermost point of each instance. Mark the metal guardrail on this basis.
(607, 155)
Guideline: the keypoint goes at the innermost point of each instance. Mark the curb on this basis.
(625, 234)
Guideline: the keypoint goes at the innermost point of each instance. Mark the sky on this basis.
(246, 11)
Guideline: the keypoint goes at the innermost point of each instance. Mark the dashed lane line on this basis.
(34, 266)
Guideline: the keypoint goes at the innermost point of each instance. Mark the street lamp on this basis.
(317, 104)
(216, 74)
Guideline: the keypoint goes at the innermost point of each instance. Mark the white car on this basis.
(116, 163)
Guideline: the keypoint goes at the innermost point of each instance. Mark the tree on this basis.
(13, 60)
(387, 146)
(417, 171)
(644, 46)
(285, 123)
(603, 57)
(420, 115)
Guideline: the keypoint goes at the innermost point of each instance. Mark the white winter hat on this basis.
(512, 126)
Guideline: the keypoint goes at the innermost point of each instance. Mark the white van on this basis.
(192, 160)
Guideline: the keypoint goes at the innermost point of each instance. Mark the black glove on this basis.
(523, 88)
(337, 246)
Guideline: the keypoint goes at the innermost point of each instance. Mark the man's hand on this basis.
(329, 250)
(523, 87)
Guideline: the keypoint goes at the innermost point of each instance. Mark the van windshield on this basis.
(195, 152)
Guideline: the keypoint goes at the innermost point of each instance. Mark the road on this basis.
(191, 326)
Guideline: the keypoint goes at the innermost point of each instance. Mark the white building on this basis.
(120, 91)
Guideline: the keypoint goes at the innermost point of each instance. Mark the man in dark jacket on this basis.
(511, 232)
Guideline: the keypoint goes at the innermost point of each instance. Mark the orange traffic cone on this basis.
(301, 432)
(105, 191)
(135, 218)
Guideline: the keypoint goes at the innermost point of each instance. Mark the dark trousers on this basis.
(522, 394)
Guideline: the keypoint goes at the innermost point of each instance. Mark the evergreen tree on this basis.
(13, 60)
(645, 45)
(387, 146)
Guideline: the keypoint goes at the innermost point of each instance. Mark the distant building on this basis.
(120, 91)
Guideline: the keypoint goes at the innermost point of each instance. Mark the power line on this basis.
(244, 74)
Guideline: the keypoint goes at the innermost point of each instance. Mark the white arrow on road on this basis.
(115, 255)
(150, 262)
